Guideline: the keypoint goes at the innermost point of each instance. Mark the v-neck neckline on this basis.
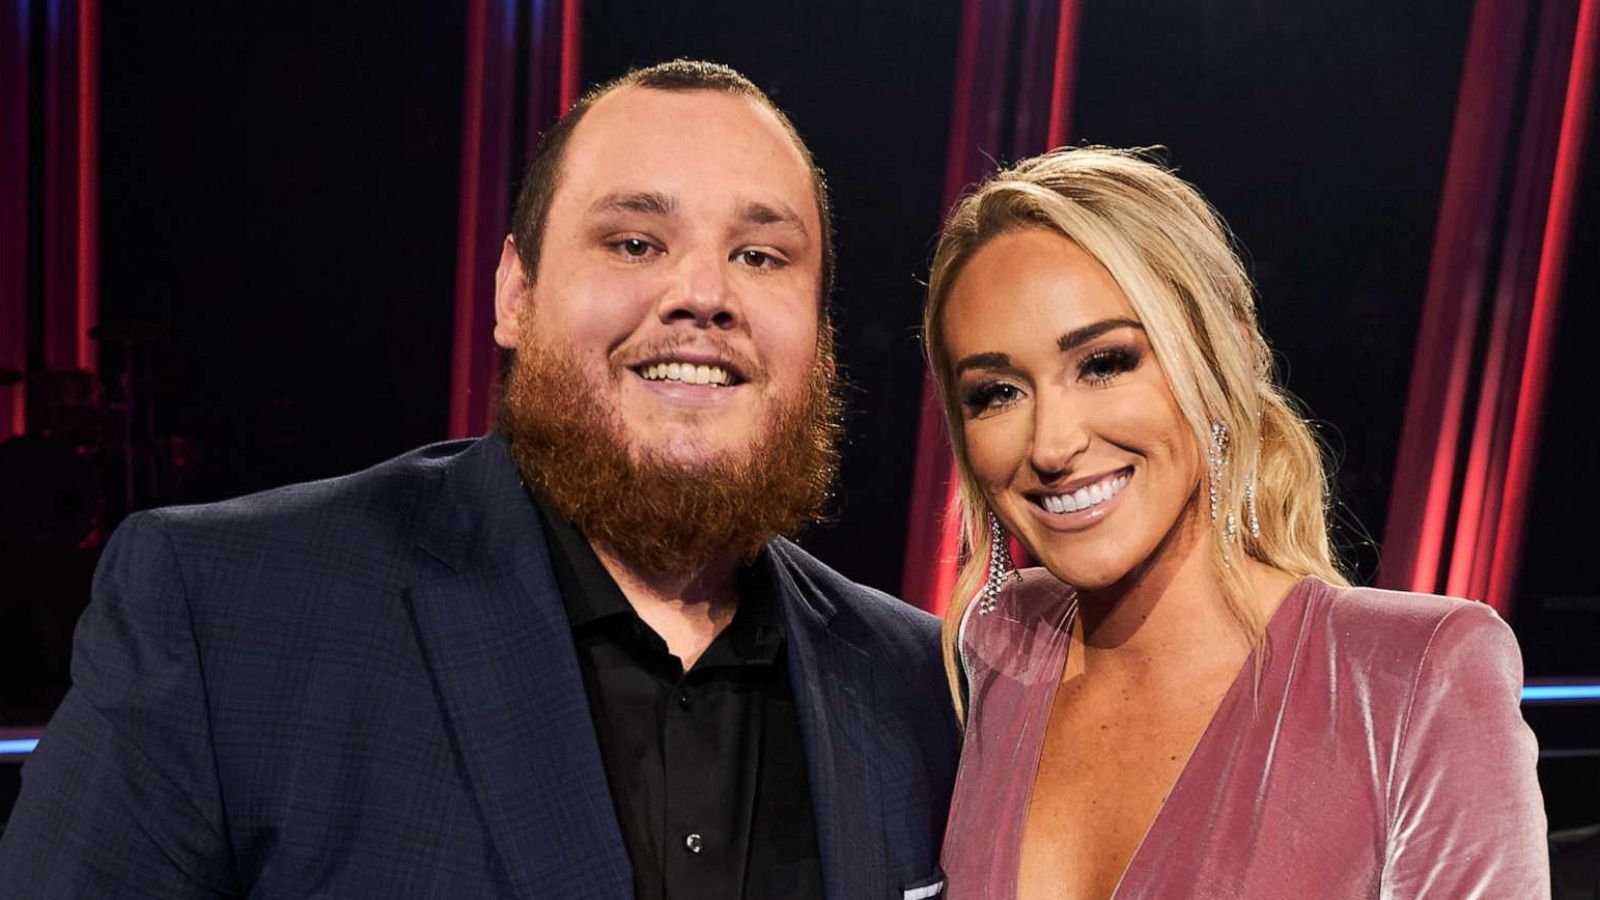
(1048, 704)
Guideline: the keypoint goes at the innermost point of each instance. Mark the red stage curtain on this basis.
(14, 239)
(541, 37)
(977, 130)
(1472, 414)
(49, 185)
(1570, 152)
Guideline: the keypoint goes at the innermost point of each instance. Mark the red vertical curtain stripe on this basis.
(15, 56)
(490, 160)
(571, 53)
(49, 203)
(1463, 472)
(60, 270)
(1478, 509)
(486, 123)
(1061, 75)
(70, 224)
(1419, 505)
(1546, 302)
(88, 184)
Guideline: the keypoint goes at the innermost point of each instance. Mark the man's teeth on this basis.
(686, 373)
(1085, 497)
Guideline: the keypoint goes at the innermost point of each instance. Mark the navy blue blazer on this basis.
(366, 687)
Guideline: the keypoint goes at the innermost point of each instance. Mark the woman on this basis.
(1188, 700)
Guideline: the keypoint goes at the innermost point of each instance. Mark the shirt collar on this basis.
(588, 591)
(590, 595)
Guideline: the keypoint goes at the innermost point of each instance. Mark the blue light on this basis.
(14, 748)
(1537, 693)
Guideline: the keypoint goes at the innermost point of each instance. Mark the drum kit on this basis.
(90, 454)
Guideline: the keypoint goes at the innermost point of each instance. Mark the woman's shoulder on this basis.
(1405, 635)
(1385, 617)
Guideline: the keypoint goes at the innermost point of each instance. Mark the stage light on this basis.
(1556, 693)
(20, 747)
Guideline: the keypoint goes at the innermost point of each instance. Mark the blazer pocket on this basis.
(924, 888)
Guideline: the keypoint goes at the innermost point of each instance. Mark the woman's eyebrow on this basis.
(983, 361)
(1080, 336)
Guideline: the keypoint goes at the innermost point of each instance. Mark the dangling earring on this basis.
(1000, 567)
(1217, 464)
(1250, 508)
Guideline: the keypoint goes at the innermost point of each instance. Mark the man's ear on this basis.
(510, 296)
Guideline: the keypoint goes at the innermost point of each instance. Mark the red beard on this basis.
(657, 515)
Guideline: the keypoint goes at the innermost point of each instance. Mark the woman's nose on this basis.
(1060, 434)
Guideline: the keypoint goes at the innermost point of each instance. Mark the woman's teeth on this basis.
(1087, 496)
(686, 373)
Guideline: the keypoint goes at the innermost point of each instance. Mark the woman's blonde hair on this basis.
(1171, 255)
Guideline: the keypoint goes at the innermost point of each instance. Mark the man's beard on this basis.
(665, 517)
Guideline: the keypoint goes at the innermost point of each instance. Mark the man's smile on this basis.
(686, 373)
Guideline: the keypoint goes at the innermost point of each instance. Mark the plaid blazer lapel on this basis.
(499, 649)
(832, 682)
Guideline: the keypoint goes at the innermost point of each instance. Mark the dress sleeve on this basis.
(121, 797)
(1466, 817)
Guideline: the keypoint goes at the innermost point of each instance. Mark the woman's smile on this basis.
(1082, 503)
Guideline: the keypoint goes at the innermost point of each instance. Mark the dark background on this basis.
(279, 193)
(279, 204)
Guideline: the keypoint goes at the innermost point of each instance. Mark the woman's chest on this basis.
(1106, 767)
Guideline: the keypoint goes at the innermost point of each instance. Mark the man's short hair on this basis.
(539, 183)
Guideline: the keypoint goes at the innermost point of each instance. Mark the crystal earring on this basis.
(1000, 567)
(1250, 508)
(1217, 465)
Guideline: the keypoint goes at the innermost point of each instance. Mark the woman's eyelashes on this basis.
(987, 395)
(1100, 367)
(1096, 368)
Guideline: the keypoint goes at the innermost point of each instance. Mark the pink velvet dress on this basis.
(1380, 753)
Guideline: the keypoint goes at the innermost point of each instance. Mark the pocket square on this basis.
(924, 888)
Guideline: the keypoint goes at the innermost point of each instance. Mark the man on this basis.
(570, 659)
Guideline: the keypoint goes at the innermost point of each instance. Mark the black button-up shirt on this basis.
(707, 767)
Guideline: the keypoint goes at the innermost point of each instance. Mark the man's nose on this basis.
(702, 292)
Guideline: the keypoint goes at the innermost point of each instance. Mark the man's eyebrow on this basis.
(983, 361)
(758, 213)
(649, 202)
(1080, 336)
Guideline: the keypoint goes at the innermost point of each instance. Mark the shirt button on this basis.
(683, 700)
(694, 843)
